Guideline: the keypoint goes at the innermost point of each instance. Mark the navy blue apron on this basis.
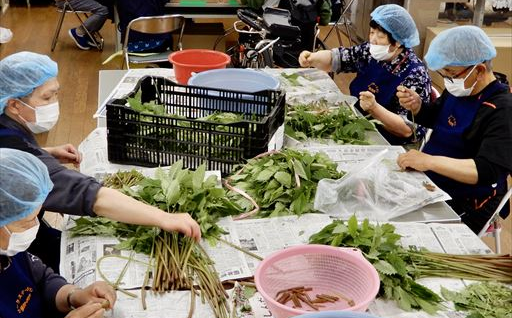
(456, 116)
(382, 83)
(19, 295)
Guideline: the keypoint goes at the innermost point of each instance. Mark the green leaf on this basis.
(198, 177)
(384, 267)
(284, 178)
(299, 169)
(265, 175)
(352, 226)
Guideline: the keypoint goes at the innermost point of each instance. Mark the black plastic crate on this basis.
(149, 140)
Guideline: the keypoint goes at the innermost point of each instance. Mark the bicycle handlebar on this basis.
(250, 18)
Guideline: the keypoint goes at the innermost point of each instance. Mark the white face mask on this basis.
(20, 241)
(381, 52)
(456, 88)
(46, 117)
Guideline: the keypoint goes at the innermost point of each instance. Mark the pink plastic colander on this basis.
(326, 269)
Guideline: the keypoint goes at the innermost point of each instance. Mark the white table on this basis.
(437, 212)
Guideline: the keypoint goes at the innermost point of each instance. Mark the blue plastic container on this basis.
(241, 80)
(336, 314)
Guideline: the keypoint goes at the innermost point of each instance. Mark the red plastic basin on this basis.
(196, 60)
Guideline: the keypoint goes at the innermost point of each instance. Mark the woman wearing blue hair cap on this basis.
(382, 64)
(30, 288)
(469, 154)
(29, 105)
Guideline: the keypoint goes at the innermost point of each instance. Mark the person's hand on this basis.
(414, 159)
(97, 292)
(408, 99)
(321, 60)
(66, 154)
(90, 310)
(367, 101)
(183, 223)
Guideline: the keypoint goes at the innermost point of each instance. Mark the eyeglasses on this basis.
(451, 78)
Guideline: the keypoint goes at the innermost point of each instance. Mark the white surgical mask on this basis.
(20, 241)
(46, 117)
(381, 52)
(456, 88)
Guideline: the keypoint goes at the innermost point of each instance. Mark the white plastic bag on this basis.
(5, 35)
(376, 189)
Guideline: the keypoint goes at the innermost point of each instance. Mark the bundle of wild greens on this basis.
(482, 300)
(178, 261)
(319, 120)
(188, 141)
(399, 267)
(280, 183)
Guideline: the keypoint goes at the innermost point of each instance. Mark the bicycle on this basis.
(266, 41)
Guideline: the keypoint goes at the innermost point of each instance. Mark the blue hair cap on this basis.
(460, 46)
(397, 21)
(21, 73)
(24, 184)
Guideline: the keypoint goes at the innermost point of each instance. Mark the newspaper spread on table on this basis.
(308, 85)
(79, 256)
(128, 83)
(374, 187)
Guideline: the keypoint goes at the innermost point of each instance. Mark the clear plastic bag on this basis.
(376, 189)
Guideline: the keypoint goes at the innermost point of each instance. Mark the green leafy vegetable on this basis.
(282, 183)
(318, 120)
(399, 268)
(482, 300)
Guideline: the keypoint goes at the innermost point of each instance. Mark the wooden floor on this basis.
(78, 74)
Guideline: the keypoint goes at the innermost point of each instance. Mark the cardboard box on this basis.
(500, 37)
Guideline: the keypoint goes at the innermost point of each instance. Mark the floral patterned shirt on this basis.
(355, 58)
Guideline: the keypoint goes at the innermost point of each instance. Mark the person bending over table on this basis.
(30, 288)
(383, 63)
(469, 154)
(29, 105)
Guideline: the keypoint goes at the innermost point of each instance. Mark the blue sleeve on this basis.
(73, 193)
(46, 280)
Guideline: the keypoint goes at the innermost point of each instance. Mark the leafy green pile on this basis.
(150, 108)
(379, 246)
(175, 190)
(482, 300)
(178, 261)
(318, 120)
(191, 140)
(399, 268)
(281, 183)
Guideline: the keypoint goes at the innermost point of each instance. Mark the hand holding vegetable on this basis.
(414, 159)
(408, 99)
(98, 292)
(367, 101)
(66, 154)
(90, 310)
(321, 60)
(181, 222)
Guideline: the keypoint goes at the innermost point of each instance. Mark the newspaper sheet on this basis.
(128, 83)
(307, 85)
(261, 237)
(86, 259)
(95, 158)
(374, 187)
